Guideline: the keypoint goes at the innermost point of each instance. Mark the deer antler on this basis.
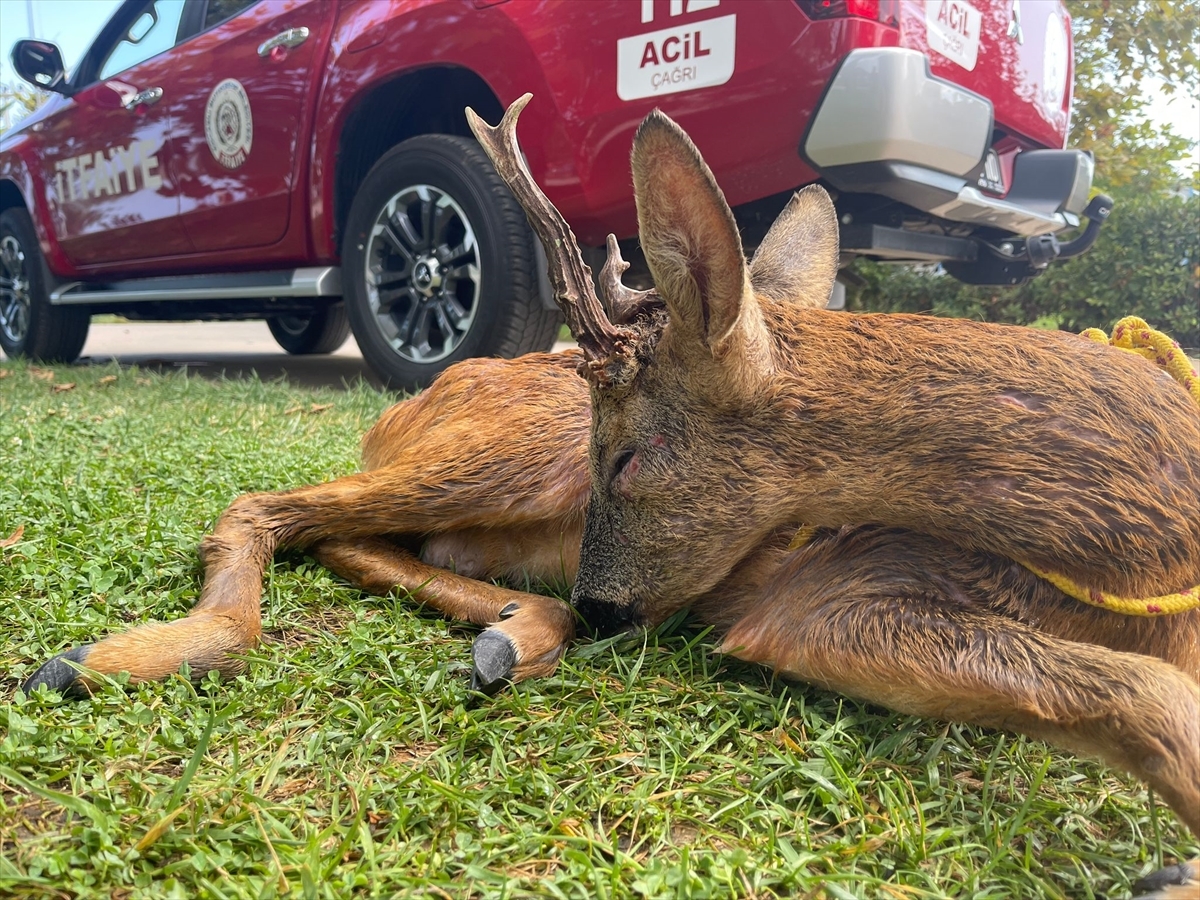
(604, 345)
(624, 303)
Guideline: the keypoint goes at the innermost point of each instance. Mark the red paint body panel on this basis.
(97, 215)
(278, 209)
(18, 150)
(577, 132)
(1009, 72)
(226, 208)
(749, 129)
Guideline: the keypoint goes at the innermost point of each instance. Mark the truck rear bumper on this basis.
(887, 126)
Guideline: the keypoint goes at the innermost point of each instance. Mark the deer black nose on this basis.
(604, 618)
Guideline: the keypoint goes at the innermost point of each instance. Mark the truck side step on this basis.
(320, 281)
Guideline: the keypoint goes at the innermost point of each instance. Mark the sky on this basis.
(69, 23)
(73, 23)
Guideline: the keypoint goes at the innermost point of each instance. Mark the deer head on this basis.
(675, 444)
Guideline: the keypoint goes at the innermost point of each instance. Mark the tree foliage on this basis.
(1122, 47)
(1137, 39)
(1146, 262)
(19, 100)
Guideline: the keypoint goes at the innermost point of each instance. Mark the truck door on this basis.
(108, 150)
(246, 87)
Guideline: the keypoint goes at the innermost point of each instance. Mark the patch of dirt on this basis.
(413, 754)
(292, 788)
(26, 817)
(684, 833)
(534, 869)
(307, 628)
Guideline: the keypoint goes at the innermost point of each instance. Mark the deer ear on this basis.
(689, 237)
(797, 261)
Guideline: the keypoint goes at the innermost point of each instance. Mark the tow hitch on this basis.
(1045, 248)
(1015, 262)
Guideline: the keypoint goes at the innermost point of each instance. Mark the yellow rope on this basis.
(803, 535)
(1150, 606)
(1134, 335)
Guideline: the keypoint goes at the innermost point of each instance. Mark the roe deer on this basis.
(725, 410)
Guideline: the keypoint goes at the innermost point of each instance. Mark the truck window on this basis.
(150, 34)
(220, 10)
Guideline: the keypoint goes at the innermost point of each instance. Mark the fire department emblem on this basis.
(228, 126)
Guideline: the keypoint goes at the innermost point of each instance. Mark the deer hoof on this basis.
(1179, 881)
(59, 675)
(494, 656)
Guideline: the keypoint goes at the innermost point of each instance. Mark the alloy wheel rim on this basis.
(423, 276)
(15, 301)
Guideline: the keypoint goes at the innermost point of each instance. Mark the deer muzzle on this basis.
(604, 619)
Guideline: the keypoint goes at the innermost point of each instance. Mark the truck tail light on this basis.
(885, 11)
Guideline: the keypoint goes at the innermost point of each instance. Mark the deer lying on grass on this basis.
(939, 462)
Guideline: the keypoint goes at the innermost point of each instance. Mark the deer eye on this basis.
(622, 462)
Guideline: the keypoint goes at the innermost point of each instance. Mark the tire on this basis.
(438, 264)
(322, 332)
(30, 328)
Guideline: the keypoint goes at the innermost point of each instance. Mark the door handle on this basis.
(148, 97)
(289, 40)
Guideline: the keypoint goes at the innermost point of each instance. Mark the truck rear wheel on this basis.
(321, 332)
(30, 328)
(438, 264)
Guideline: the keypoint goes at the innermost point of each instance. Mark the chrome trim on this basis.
(323, 281)
(148, 97)
(289, 39)
(1015, 33)
(1077, 200)
(318, 281)
(972, 206)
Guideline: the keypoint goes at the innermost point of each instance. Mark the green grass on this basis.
(352, 759)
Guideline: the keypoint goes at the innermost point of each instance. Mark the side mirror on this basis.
(41, 64)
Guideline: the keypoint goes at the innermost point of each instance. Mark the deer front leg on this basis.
(925, 649)
(225, 622)
(527, 633)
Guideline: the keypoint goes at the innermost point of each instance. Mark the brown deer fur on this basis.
(742, 412)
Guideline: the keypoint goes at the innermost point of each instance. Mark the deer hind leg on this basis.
(526, 633)
(866, 622)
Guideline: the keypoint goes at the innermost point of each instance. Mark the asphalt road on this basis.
(231, 349)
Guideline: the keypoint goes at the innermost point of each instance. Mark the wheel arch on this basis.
(11, 196)
(451, 173)
(427, 101)
(19, 189)
(30, 326)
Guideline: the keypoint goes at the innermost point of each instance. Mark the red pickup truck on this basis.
(308, 162)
